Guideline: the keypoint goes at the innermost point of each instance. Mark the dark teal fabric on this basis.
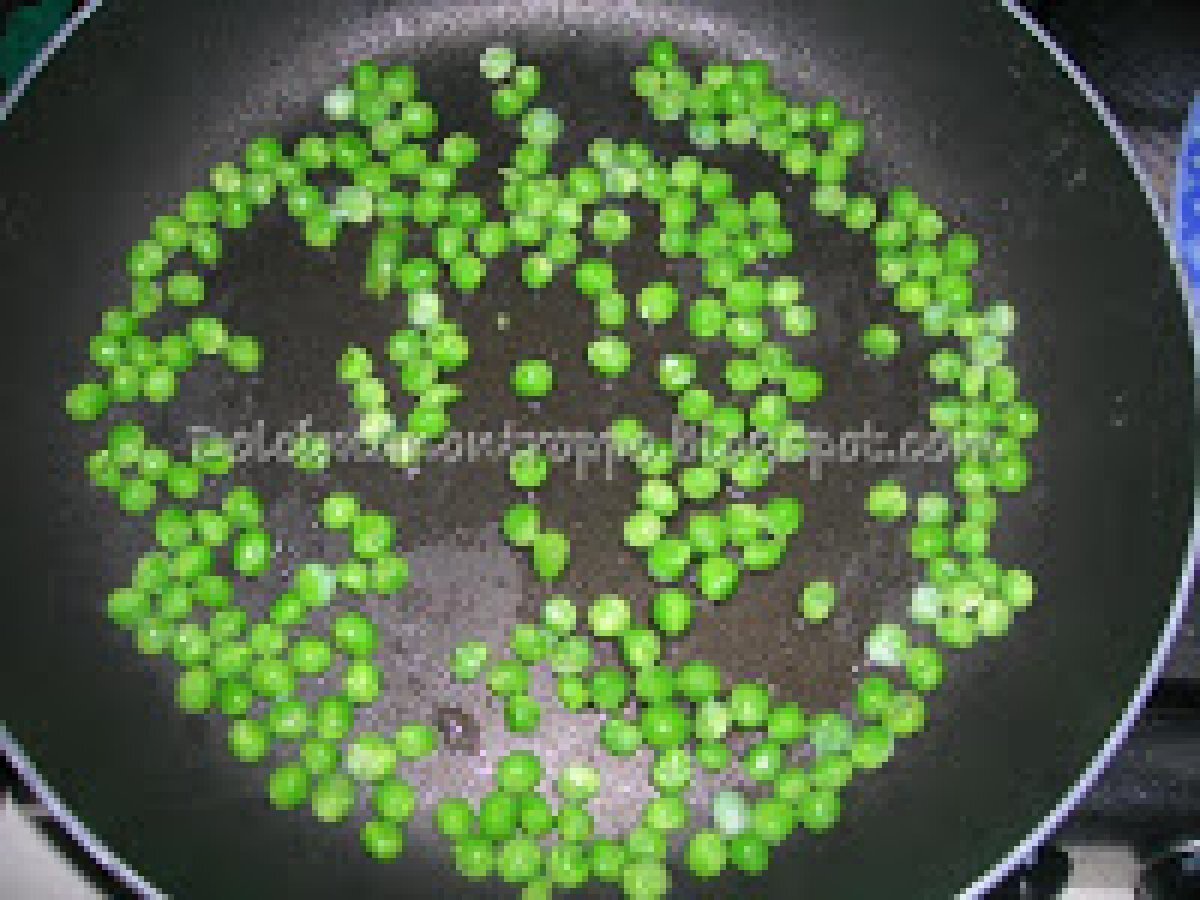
(25, 31)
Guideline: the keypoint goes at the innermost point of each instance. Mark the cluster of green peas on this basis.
(967, 595)
(252, 672)
(684, 715)
(929, 280)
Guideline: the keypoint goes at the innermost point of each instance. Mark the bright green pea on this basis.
(640, 647)
(249, 741)
(611, 225)
(818, 811)
(657, 302)
(333, 798)
(551, 553)
(532, 378)
(609, 356)
(416, 741)
(718, 578)
(887, 500)
(668, 559)
(786, 724)
(672, 771)
(643, 529)
(817, 601)
(195, 690)
(536, 817)
(568, 865)
(672, 612)
(362, 682)
(519, 772)
(881, 341)
(750, 705)
(713, 756)
(288, 786)
(620, 738)
(664, 726)
(773, 820)
(707, 854)
(469, 660)
(508, 677)
(382, 839)
(531, 644)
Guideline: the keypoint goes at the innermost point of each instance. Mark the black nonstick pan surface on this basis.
(962, 101)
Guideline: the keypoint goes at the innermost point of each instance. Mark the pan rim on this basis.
(110, 862)
(1183, 591)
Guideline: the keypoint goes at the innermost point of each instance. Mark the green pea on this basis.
(195, 690)
(819, 811)
(718, 578)
(609, 615)
(559, 614)
(415, 741)
(333, 797)
(532, 378)
(454, 818)
(749, 853)
(508, 677)
(672, 771)
(609, 689)
(887, 500)
(519, 772)
(320, 757)
(707, 854)
(881, 341)
(609, 356)
(672, 612)
(551, 553)
(383, 840)
(620, 738)
(234, 697)
(288, 786)
(657, 302)
(529, 468)
(763, 762)
(362, 682)
(817, 601)
(469, 660)
(568, 865)
(773, 820)
(249, 741)
(611, 226)
(786, 724)
(519, 860)
(664, 726)
(522, 714)
(536, 817)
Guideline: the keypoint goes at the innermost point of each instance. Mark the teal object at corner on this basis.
(25, 31)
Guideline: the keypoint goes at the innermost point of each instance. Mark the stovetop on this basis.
(1142, 818)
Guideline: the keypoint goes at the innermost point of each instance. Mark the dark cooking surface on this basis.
(467, 584)
(1149, 798)
(1144, 60)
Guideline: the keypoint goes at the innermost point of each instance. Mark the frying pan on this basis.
(965, 101)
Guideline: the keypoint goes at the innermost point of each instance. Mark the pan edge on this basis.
(1185, 584)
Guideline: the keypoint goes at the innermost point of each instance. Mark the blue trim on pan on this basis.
(1187, 200)
(112, 863)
